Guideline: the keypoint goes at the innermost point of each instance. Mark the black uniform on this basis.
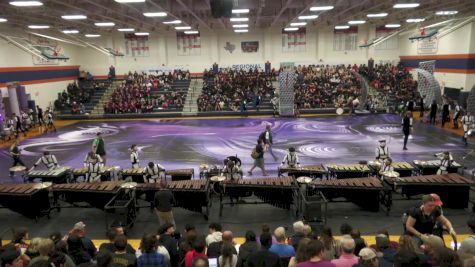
(433, 112)
(445, 113)
(406, 129)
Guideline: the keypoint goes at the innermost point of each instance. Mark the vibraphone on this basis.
(58, 175)
(368, 192)
(135, 174)
(281, 192)
(106, 172)
(427, 167)
(453, 188)
(403, 168)
(192, 195)
(97, 194)
(314, 171)
(344, 171)
(29, 200)
(181, 174)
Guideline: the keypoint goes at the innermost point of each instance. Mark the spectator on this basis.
(77, 251)
(347, 257)
(199, 247)
(79, 230)
(367, 258)
(392, 244)
(112, 234)
(46, 252)
(385, 252)
(281, 248)
(301, 253)
(247, 248)
(360, 243)
(150, 256)
(166, 232)
(298, 234)
(20, 236)
(263, 257)
(331, 247)
(215, 248)
(430, 245)
(266, 229)
(467, 248)
(407, 255)
(186, 244)
(121, 257)
(103, 259)
(345, 229)
(228, 257)
(200, 262)
(215, 234)
(163, 204)
(315, 251)
(11, 258)
(447, 258)
(32, 250)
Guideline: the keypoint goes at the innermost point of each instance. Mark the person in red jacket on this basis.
(198, 250)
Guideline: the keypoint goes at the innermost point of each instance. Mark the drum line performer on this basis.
(154, 172)
(382, 151)
(15, 153)
(231, 170)
(48, 160)
(50, 120)
(93, 163)
(446, 161)
(98, 147)
(467, 122)
(386, 167)
(134, 157)
(406, 124)
(458, 111)
(291, 159)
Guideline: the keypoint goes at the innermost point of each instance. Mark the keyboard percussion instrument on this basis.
(97, 194)
(180, 174)
(315, 171)
(136, 174)
(427, 167)
(58, 175)
(106, 172)
(344, 171)
(30, 200)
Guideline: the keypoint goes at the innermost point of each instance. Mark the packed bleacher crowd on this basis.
(233, 90)
(142, 93)
(75, 96)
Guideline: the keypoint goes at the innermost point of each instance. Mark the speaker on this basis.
(221, 8)
(312, 209)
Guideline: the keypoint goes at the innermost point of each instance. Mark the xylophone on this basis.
(97, 194)
(192, 195)
(427, 167)
(364, 192)
(106, 172)
(181, 174)
(343, 171)
(307, 170)
(57, 175)
(403, 168)
(453, 188)
(30, 200)
(280, 192)
(137, 175)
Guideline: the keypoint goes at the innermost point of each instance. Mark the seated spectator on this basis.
(345, 229)
(77, 251)
(298, 234)
(247, 248)
(150, 256)
(315, 251)
(167, 239)
(301, 253)
(385, 252)
(266, 229)
(200, 262)
(20, 236)
(121, 257)
(407, 254)
(214, 249)
(186, 244)
(467, 247)
(430, 245)
(281, 248)
(46, 252)
(12, 258)
(32, 250)
(368, 258)
(347, 255)
(263, 257)
(447, 258)
(392, 244)
(360, 243)
(112, 234)
(228, 257)
(79, 230)
(331, 247)
(215, 234)
(199, 247)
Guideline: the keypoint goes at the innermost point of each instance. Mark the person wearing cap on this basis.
(154, 172)
(368, 258)
(134, 157)
(467, 247)
(291, 160)
(430, 245)
(406, 124)
(382, 151)
(347, 257)
(93, 163)
(48, 160)
(421, 220)
(385, 252)
(446, 161)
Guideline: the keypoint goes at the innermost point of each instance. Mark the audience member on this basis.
(215, 234)
(467, 247)
(331, 247)
(347, 253)
(166, 233)
(199, 247)
(407, 254)
(121, 257)
(266, 229)
(298, 234)
(215, 248)
(301, 253)
(368, 258)
(385, 252)
(263, 257)
(281, 248)
(228, 257)
(150, 256)
(315, 251)
(247, 248)
(360, 243)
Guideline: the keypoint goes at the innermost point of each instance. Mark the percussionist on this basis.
(154, 172)
(93, 163)
(291, 160)
(382, 151)
(387, 167)
(446, 161)
(134, 157)
(48, 160)
(231, 170)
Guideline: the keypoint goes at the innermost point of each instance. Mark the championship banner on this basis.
(188, 44)
(250, 46)
(345, 40)
(389, 44)
(136, 46)
(294, 41)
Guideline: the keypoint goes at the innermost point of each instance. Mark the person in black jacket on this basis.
(422, 107)
(259, 160)
(406, 127)
(246, 249)
(166, 232)
(263, 257)
(433, 112)
(214, 249)
(445, 112)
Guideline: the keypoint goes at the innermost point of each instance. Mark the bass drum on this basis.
(236, 160)
(339, 111)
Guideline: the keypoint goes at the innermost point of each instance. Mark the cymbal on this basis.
(129, 185)
(204, 167)
(304, 180)
(390, 174)
(217, 178)
(116, 168)
(374, 162)
(43, 185)
(17, 168)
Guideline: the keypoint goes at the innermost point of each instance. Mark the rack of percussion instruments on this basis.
(123, 192)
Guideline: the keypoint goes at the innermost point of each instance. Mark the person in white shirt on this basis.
(93, 163)
(446, 161)
(387, 167)
(458, 110)
(467, 123)
(154, 172)
(48, 160)
(134, 157)
(231, 170)
(291, 160)
(382, 151)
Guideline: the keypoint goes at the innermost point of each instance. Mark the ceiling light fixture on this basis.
(354, 22)
(26, 3)
(126, 30)
(395, 25)
(92, 35)
(241, 30)
(3, 20)
(142, 33)
(104, 24)
(73, 17)
(70, 31)
(293, 24)
(240, 11)
(291, 29)
(129, 1)
(39, 27)
(321, 8)
(240, 26)
(192, 32)
(406, 5)
(342, 27)
(377, 15)
(238, 19)
(308, 17)
(180, 28)
(177, 21)
(155, 14)
(415, 20)
(446, 13)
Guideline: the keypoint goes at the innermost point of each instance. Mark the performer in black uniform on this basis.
(410, 105)
(39, 114)
(15, 152)
(18, 126)
(445, 112)
(406, 127)
(98, 147)
(433, 112)
(422, 105)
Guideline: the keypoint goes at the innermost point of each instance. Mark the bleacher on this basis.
(95, 97)
(179, 86)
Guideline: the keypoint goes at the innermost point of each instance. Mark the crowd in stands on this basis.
(137, 94)
(74, 97)
(304, 247)
(233, 90)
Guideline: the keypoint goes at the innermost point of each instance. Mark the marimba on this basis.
(403, 168)
(30, 200)
(453, 188)
(137, 174)
(106, 172)
(315, 171)
(343, 171)
(181, 174)
(97, 194)
(57, 175)
(191, 195)
(281, 192)
(427, 167)
(364, 192)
